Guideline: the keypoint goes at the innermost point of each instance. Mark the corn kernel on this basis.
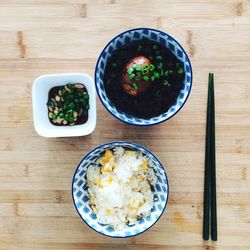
(144, 165)
(129, 153)
(141, 178)
(106, 158)
(98, 182)
(108, 167)
(108, 212)
(109, 180)
(134, 216)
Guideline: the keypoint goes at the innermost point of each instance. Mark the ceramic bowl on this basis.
(126, 38)
(40, 90)
(81, 200)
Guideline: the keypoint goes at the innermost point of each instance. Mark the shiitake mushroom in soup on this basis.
(143, 78)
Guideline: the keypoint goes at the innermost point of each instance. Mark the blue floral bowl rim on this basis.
(134, 145)
(153, 123)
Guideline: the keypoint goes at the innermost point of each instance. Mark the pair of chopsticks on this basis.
(210, 208)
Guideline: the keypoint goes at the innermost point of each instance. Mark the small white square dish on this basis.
(40, 91)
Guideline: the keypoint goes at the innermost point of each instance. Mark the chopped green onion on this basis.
(146, 67)
(130, 70)
(69, 85)
(61, 115)
(156, 74)
(180, 71)
(70, 98)
(71, 105)
(87, 107)
(152, 78)
(151, 67)
(70, 119)
(114, 64)
(170, 71)
(166, 73)
(158, 93)
(85, 96)
(159, 57)
(54, 116)
(138, 78)
(67, 102)
(131, 76)
(135, 86)
(146, 78)
(51, 104)
(162, 73)
(139, 47)
(138, 67)
(160, 65)
(144, 71)
(165, 82)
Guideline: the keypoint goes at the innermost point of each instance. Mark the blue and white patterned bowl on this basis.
(126, 38)
(81, 200)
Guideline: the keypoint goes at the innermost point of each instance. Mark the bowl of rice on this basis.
(120, 189)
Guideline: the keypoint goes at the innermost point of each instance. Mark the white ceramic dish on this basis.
(40, 90)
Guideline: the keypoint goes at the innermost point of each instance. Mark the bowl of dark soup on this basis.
(143, 76)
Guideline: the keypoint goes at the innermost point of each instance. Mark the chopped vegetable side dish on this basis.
(68, 105)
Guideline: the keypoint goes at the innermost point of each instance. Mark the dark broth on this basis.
(159, 97)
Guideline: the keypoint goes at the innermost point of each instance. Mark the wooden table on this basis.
(52, 36)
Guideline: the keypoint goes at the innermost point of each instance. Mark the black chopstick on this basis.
(213, 167)
(206, 207)
(210, 175)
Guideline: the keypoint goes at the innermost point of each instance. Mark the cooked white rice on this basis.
(119, 187)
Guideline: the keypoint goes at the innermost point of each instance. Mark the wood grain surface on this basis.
(52, 36)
